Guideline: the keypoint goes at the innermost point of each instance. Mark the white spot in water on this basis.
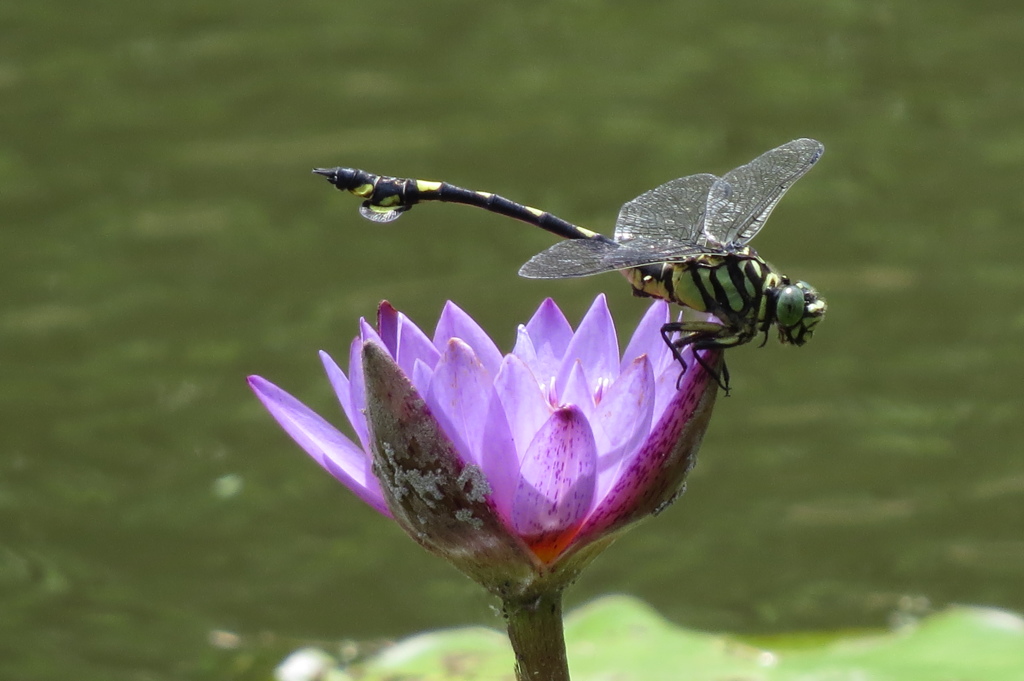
(305, 664)
(227, 486)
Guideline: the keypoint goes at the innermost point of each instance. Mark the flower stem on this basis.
(535, 630)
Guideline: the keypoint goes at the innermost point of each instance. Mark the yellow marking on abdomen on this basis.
(364, 190)
(428, 185)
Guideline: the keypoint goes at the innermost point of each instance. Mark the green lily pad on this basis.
(622, 639)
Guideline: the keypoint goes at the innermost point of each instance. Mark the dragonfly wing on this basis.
(672, 212)
(739, 203)
(583, 257)
(640, 252)
(573, 258)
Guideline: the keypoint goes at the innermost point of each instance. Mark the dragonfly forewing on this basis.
(672, 212)
(583, 257)
(738, 204)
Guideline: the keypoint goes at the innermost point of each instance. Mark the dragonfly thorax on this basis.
(740, 290)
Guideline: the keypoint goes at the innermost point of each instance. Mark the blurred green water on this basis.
(162, 238)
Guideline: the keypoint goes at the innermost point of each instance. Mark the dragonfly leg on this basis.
(702, 336)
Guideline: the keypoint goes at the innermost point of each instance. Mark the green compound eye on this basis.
(789, 308)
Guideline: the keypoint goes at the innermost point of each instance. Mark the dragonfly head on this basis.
(798, 309)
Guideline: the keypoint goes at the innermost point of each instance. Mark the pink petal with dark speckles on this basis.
(557, 477)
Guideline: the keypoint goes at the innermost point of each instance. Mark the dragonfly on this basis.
(686, 241)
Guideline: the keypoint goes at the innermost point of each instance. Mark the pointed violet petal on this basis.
(498, 457)
(357, 392)
(655, 476)
(624, 416)
(647, 340)
(322, 441)
(673, 377)
(550, 333)
(526, 352)
(525, 404)
(576, 390)
(368, 333)
(550, 324)
(421, 377)
(436, 497)
(355, 375)
(595, 345)
(669, 372)
(557, 477)
(454, 323)
(665, 389)
(413, 346)
(387, 326)
(459, 394)
(343, 391)
(339, 381)
(402, 338)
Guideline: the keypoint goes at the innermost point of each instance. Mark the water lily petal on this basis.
(624, 417)
(673, 376)
(466, 405)
(421, 377)
(558, 475)
(578, 391)
(459, 396)
(413, 345)
(525, 403)
(647, 340)
(322, 441)
(550, 333)
(387, 326)
(454, 323)
(339, 382)
(654, 476)
(343, 391)
(498, 458)
(357, 388)
(357, 393)
(595, 345)
(665, 389)
(525, 351)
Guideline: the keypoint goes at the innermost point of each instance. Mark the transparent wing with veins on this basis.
(685, 217)
(664, 224)
(739, 203)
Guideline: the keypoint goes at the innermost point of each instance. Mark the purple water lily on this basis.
(513, 467)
